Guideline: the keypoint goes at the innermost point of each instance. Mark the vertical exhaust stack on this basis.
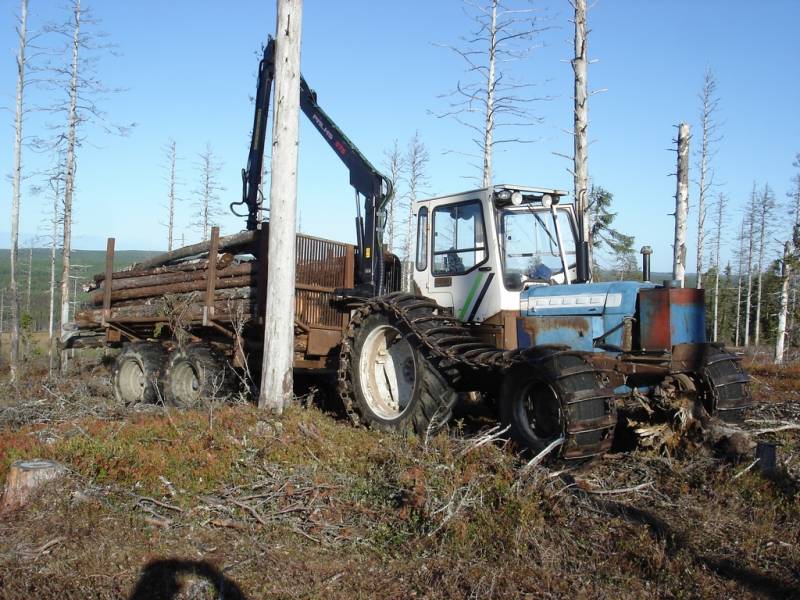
(646, 252)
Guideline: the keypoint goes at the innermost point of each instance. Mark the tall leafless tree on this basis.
(276, 372)
(580, 171)
(207, 192)
(416, 162)
(709, 105)
(491, 100)
(22, 35)
(764, 212)
(719, 227)
(741, 253)
(681, 205)
(750, 215)
(395, 165)
(81, 88)
(171, 155)
(787, 267)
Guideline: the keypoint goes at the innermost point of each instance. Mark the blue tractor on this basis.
(504, 306)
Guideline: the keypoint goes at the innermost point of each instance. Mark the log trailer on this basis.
(502, 304)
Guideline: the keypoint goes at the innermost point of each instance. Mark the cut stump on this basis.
(25, 476)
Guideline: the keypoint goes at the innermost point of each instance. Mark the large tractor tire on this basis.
(724, 385)
(558, 395)
(197, 375)
(136, 374)
(385, 380)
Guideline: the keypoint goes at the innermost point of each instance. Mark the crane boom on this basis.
(368, 182)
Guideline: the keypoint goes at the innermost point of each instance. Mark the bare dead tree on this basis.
(276, 370)
(82, 89)
(22, 35)
(395, 165)
(719, 226)
(171, 156)
(787, 269)
(416, 162)
(681, 205)
(709, 105)
(750, 215)
(764, 208)
(580, 172)
(491, 100)
(794, 200)
(207, 192)
(741, 241)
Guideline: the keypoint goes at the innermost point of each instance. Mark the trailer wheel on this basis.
(557, 395)
(136, 374)
(197, 374)
(388, 383)
(724, 385)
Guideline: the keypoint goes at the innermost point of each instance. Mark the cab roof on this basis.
(503, 186)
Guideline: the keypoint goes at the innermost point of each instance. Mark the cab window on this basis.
(459, 240)
(422, 239)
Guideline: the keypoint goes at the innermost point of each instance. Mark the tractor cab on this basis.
(477, 251)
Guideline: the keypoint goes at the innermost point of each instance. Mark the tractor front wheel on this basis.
(558, 395)
(387, 383)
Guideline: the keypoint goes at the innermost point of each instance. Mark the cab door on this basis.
(459, 274)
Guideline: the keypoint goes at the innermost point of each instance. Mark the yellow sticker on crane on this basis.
(367, 252)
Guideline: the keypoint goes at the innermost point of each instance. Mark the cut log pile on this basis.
(148, 291)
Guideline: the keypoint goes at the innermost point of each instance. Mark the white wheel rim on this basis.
(387, 372)
(131, 381)
(185, 382)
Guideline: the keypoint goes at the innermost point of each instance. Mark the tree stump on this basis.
(24, 476)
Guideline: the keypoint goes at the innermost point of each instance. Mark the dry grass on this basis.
(185, 504)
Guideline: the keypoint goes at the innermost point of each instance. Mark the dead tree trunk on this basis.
(69, 171)
(786, 275)
(681, 205)
(750, 243)
(488, 130)
(172, 159)
(276, 369)
(765, 207)
(720, 218)
(416, 163)
(16, 189)
(709, 104)
(739, 286)
(581, 122)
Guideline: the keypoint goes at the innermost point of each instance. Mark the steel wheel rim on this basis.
(185, 383)
(543, 420)
(387, 372)
(132, 381)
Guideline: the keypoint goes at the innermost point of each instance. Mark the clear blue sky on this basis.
(189, 68)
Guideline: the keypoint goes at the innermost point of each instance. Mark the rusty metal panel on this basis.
(671, 316)
(321, 262)
(572, 331)
(321, 341)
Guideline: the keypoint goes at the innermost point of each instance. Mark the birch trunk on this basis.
(681, 206)
(488, 133)
(786, 274)
(763, 208)
(172, 157)
(276, 370)
(581, 122)
(16, 190)
(739, 286)
(750, 244)
(69, 172)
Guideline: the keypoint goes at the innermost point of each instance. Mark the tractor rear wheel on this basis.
(558, 395)
(723, 385)
(387, 383)
(195, 375)
(136, 374)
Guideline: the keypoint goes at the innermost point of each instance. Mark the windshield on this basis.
(529, 245)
